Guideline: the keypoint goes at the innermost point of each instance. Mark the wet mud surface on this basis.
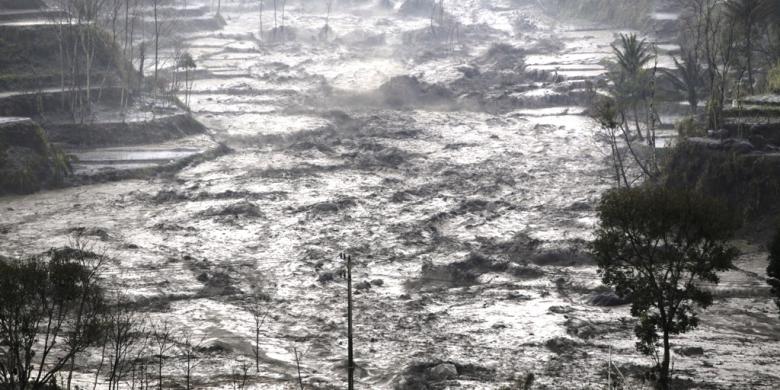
(468, 223)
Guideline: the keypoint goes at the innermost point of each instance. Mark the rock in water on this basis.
(606, 299)
(690, 351)
(444, 371)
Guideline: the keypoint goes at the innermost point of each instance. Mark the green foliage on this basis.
(655, 246)
(773, 270)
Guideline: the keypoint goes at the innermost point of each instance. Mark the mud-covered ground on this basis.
(465, 195)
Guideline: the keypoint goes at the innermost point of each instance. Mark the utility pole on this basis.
(298, 364)
(350, 361)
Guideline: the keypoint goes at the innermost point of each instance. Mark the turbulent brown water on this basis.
(416, 195)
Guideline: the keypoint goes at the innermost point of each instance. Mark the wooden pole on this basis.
(609, 370)
(298, 364)
(350, 362)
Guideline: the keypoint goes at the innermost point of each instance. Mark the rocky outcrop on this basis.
(28, 162)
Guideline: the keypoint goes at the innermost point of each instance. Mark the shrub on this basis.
(688, 127)
(773, 78)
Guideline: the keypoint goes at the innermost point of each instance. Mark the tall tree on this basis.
(656, 247)
(189, 346)
(629, 109)
(687, 77)
(162, 335)
(187, 63)
(711, 35)
(749, 14)
(125, 339)
(262, 4)
(631, 81)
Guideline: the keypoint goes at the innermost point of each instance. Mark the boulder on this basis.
(689, 351)
(377, 282)
(443, 371)
(561, 345)
(606, 299)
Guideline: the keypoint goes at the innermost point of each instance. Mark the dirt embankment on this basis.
(21, 4)
(40, 104)
(31, 57)
(125, 133)
(28, 162)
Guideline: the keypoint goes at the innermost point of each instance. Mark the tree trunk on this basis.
(664, 380)
(257, 347)
(284, 3)
(636, 123)
(261, 20)
(71, 368)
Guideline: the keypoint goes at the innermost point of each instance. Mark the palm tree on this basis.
(688, 77)
(749, 14)
(631, 81)
(633, 54)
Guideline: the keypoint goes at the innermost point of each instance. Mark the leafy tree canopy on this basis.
(658, 247)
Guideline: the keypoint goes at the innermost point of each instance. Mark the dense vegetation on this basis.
(656, 246)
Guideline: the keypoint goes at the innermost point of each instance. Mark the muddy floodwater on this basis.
(469, 224)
